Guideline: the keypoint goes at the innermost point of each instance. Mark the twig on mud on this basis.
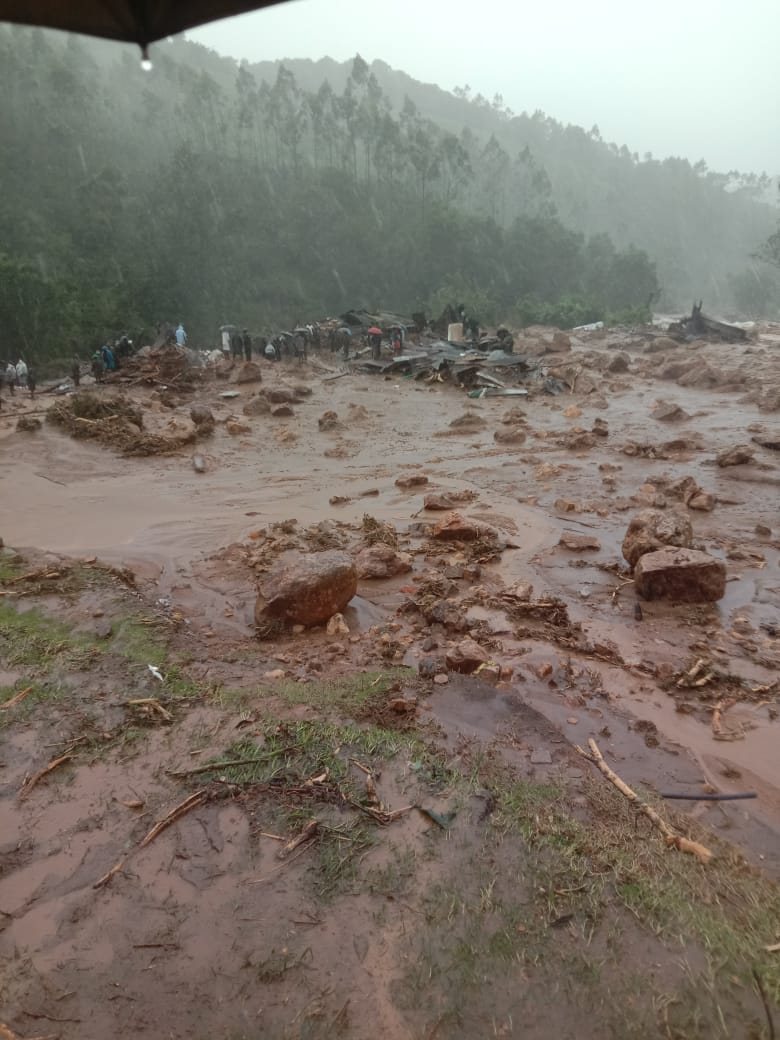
(17, 697)
(693, 676)
(622, 585)
(703, 854)
(34, 780)
(309, 831)
(215, 766)
(383, 816)
(340, 1016)
(262, 880)
(194, 800)
(152, 704)
(371, 791)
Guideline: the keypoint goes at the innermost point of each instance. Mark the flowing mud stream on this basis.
(174, 526)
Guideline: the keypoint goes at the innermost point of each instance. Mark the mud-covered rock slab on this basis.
(651, 529)
(737, 455)
(309, 590)
(381, 561)
(684, 575)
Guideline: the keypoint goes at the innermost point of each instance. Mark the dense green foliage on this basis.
(202, 192)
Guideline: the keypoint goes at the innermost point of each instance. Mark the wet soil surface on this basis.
(415, 927)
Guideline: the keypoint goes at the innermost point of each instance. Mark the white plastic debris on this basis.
(156, 672)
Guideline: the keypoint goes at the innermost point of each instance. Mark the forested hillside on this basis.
(206, 192)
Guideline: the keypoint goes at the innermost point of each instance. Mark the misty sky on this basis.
(697, 78)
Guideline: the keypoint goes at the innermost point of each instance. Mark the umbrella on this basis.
(345, 329)
(374, 331)
(132, 21)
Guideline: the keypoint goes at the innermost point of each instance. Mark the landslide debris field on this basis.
(215, 822)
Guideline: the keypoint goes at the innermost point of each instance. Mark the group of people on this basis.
(17, 375)
(238, 344)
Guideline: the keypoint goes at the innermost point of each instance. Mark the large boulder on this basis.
(201, 413)
(257, 406)
(619, 363)
(684, 575)
(651, 529)
(381, 561)
(309, 590)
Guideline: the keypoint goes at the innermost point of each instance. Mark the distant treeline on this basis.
(131, 198)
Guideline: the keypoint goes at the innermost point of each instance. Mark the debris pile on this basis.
(118, 424)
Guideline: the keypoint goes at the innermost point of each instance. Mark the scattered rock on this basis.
(275, 673)
(511, 435)
(402, 705)
(198, 463)
(280, 395)
(381, 561)
(544, 670)
(429, 667)
(329, 421)
(768, 440)
(702, 501)
(522, 590)
(248, 372)
(541, 757)
(103, 628)
(309, 590)
(337, 626)
(761, 530)
(650, 530)
(664, 412)
(438, 502)
(578, 542)
(201, 413)
(468, 421)
(600, 428)
(572, 412)
(561, 341)
(472, 572)
(737, 455)
(513, 416)
(685, 575)
(28, 423)
(257, 406)
(412, 481)
(456, 529)
(339, 500)
(619, 363)
(236, 428)
(466, 657)
(578, 439)
(282, 411)
(565, 505)
(441, 679)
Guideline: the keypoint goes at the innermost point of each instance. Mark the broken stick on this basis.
(17, 697)
(194, 800)
(677, 841)
(310, 829)
(32, 781)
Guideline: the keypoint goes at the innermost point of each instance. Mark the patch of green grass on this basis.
(730, 910)
(26, 708)
(29, 639)
(346, 695)
(11, 565)
(139, 642)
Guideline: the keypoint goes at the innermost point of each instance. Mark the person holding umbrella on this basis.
(375, 341)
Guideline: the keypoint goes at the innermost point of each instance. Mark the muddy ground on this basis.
(532, 902)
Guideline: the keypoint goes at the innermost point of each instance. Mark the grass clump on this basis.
(29, 639)
(346, 695)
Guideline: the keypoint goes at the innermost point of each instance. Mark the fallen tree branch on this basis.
(17, 697)
(677, 841)
(34, 780)
(194, 800)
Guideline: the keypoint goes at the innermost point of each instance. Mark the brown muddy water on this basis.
(170, 524)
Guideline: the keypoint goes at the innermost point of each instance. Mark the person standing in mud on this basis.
(31, 383)
(10, 377)
(97, 366)
(246, 342)
(236, 345)
(75, 372)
